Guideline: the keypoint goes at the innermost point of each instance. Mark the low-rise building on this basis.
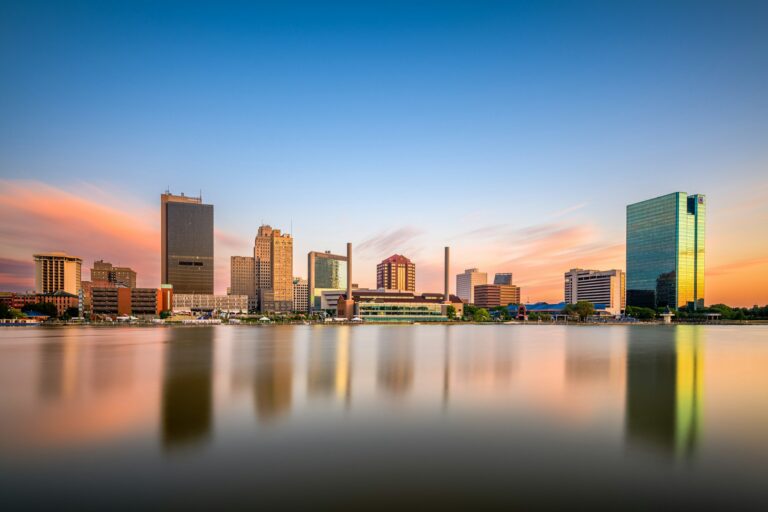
(121, 301)
(188, 302)
(400, 306)
(494, 295)
(61, 299)
(600, 287)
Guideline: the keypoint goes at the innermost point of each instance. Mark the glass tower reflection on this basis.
(664, 389)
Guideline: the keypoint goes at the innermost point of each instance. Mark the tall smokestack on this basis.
(349, 271)
(447, 270)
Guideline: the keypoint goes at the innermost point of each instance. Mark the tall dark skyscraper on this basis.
(665, 251)
(186, 243)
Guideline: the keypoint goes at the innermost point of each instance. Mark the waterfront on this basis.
(362, 416)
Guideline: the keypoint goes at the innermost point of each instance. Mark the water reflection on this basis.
(273, 375)
(595, 407)
(187, 394)
(395, 360)
(664, 389)
(329, 369)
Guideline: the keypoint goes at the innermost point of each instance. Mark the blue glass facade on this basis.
(665, 251)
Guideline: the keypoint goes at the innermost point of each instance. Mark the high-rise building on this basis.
(58, 271)
(186, 240)
(596, 286)
(665, 251)
(466, 282)
(273, 267)
(503, 278)
(243, 279)
(300, 295)
(105, 271)
(396, 273)
(326, 272)
(494, 295)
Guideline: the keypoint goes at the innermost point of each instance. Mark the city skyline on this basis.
(97, 122)
(366, 277)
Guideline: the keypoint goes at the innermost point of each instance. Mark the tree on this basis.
(5, 311)
(71, 313)
(481, 315)
(582, 309)
(451, 312)
(640, 313)
(44, 308)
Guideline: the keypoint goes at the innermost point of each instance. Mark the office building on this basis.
(197, 303)
(326, 272)
(396, 273)
(186, 241)
(665, 251)
(122, 301)
(466, 282)
(243, 279)
(273, 255)
(266, 278)
(105, 271)
(596, 286)
(57, 271)
(494, 295)
(502, 278)
(300, 295)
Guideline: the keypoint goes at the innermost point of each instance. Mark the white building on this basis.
(596, 286)
(466, 282)
(300, 294)
(188, 302)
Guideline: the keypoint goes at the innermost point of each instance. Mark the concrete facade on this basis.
(596, 286)
(58, 271)
(466, 282)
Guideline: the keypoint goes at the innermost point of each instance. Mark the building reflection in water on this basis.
(329, 372)
(187, 396)
(273, 378)
(395, 360)
(664, 389)
(60, 361)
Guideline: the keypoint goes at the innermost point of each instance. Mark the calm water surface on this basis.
(383, 416)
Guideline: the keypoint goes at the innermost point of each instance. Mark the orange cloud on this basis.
(39, 218)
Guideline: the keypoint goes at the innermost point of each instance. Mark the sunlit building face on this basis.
(665, 251)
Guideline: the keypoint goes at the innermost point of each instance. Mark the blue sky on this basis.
(414, 123)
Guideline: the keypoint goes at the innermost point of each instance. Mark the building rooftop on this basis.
(397, 258)
(56, 254)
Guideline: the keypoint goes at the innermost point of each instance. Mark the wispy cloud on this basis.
(570, 209)
(390, 241)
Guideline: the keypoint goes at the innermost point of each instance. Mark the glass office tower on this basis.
(186, 243)
(665, 251)
(326, 272)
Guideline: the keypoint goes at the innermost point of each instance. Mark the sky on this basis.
(514, 132)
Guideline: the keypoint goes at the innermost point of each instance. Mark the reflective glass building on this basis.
(187, 244)
(326, 272)
(665, 251)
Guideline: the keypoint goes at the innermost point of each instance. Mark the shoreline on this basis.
(345, 324)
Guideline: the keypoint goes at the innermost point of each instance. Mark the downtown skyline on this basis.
(467, 110)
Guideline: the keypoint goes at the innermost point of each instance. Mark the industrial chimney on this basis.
(447, 270)
(349, 303)
(349, 271)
